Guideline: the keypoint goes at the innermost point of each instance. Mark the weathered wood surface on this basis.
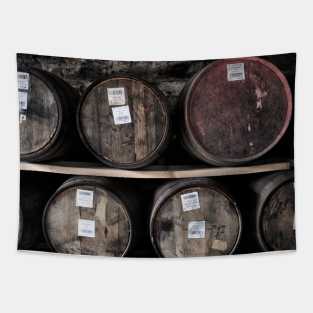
(112, 222)
(163, 172)
(42, 117)
(169, 223)
(130, 145)
(229, 122)
(274, 218)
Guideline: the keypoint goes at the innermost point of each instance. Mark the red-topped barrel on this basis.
(235, 110)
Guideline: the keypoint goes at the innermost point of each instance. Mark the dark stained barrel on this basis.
(274, 218)
(47, 115)
(86, 216)
(235, 110)
(194, 217)
(123, 121)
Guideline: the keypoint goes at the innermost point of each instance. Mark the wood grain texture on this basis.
(112, 223)
(91, 169)
(169, 222)
(232, 122)
(278, 219)
(42, 117)
(130, 145)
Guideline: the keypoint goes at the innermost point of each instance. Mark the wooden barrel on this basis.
(274, 218)
(47, 115)
(194, 217)
(123, 121)
(86, 216)
(235, 110)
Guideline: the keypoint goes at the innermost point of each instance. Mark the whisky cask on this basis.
(47, 115)
(123, 121)
(87, 215)
(235, 110)
(194, 217)
(274, 212)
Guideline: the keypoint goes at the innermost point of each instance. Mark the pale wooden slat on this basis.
(79, 168)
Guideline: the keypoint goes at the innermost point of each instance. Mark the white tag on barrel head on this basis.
(235, 71)
(86, 228)
(84, 198)
(22, 100)
(190, 201)
(22, 118)
(22, 80)
(196, 229)
(220, 245)
(116, 96)
(121, 115)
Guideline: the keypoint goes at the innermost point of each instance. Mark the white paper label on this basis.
(22, 99)
(22, 80)
(84, 198)
(86, 228)
(22, 118)
(116, 96)
(121, 115)
(190, 201)
(196, 229)
(235, 71)
(220, 245)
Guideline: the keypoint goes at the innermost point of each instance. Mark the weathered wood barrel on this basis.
(235, 110)
(47, 115)
(123, 121)
(86, 216)
(194, 217)
(274, 214)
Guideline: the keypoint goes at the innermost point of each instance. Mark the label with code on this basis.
(121, 115)
(84, 198)
(235, 71)
(22, 118)
(116, 96)
(190, 201)
(219, 245)
(22, 100)
(196, 229)
(86, 228)
(22, 80)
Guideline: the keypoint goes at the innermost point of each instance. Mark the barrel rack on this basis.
(156, 172)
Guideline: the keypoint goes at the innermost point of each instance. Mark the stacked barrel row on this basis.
(231, 112)
(188, 217)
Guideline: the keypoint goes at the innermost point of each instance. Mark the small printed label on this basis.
(121, 115)
(84, 198)
(116, 96)
(235, 71)
(190, 201)
(22, 99)
(220, 245)
(196, 229)
(86, 228)
(22, 118)
(22, 80)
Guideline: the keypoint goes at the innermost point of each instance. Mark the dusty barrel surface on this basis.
(47, 115)
(123, 121)
(275, 211)
(85, 216)
(194, 217)
(234, 111)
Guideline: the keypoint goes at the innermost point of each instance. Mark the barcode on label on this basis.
(116, 96)
(22, 99)
(121, 115)
(84, 198)
(235, 71)
(22, 80)
(86, 228)
(190, 201)
(196, 229)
